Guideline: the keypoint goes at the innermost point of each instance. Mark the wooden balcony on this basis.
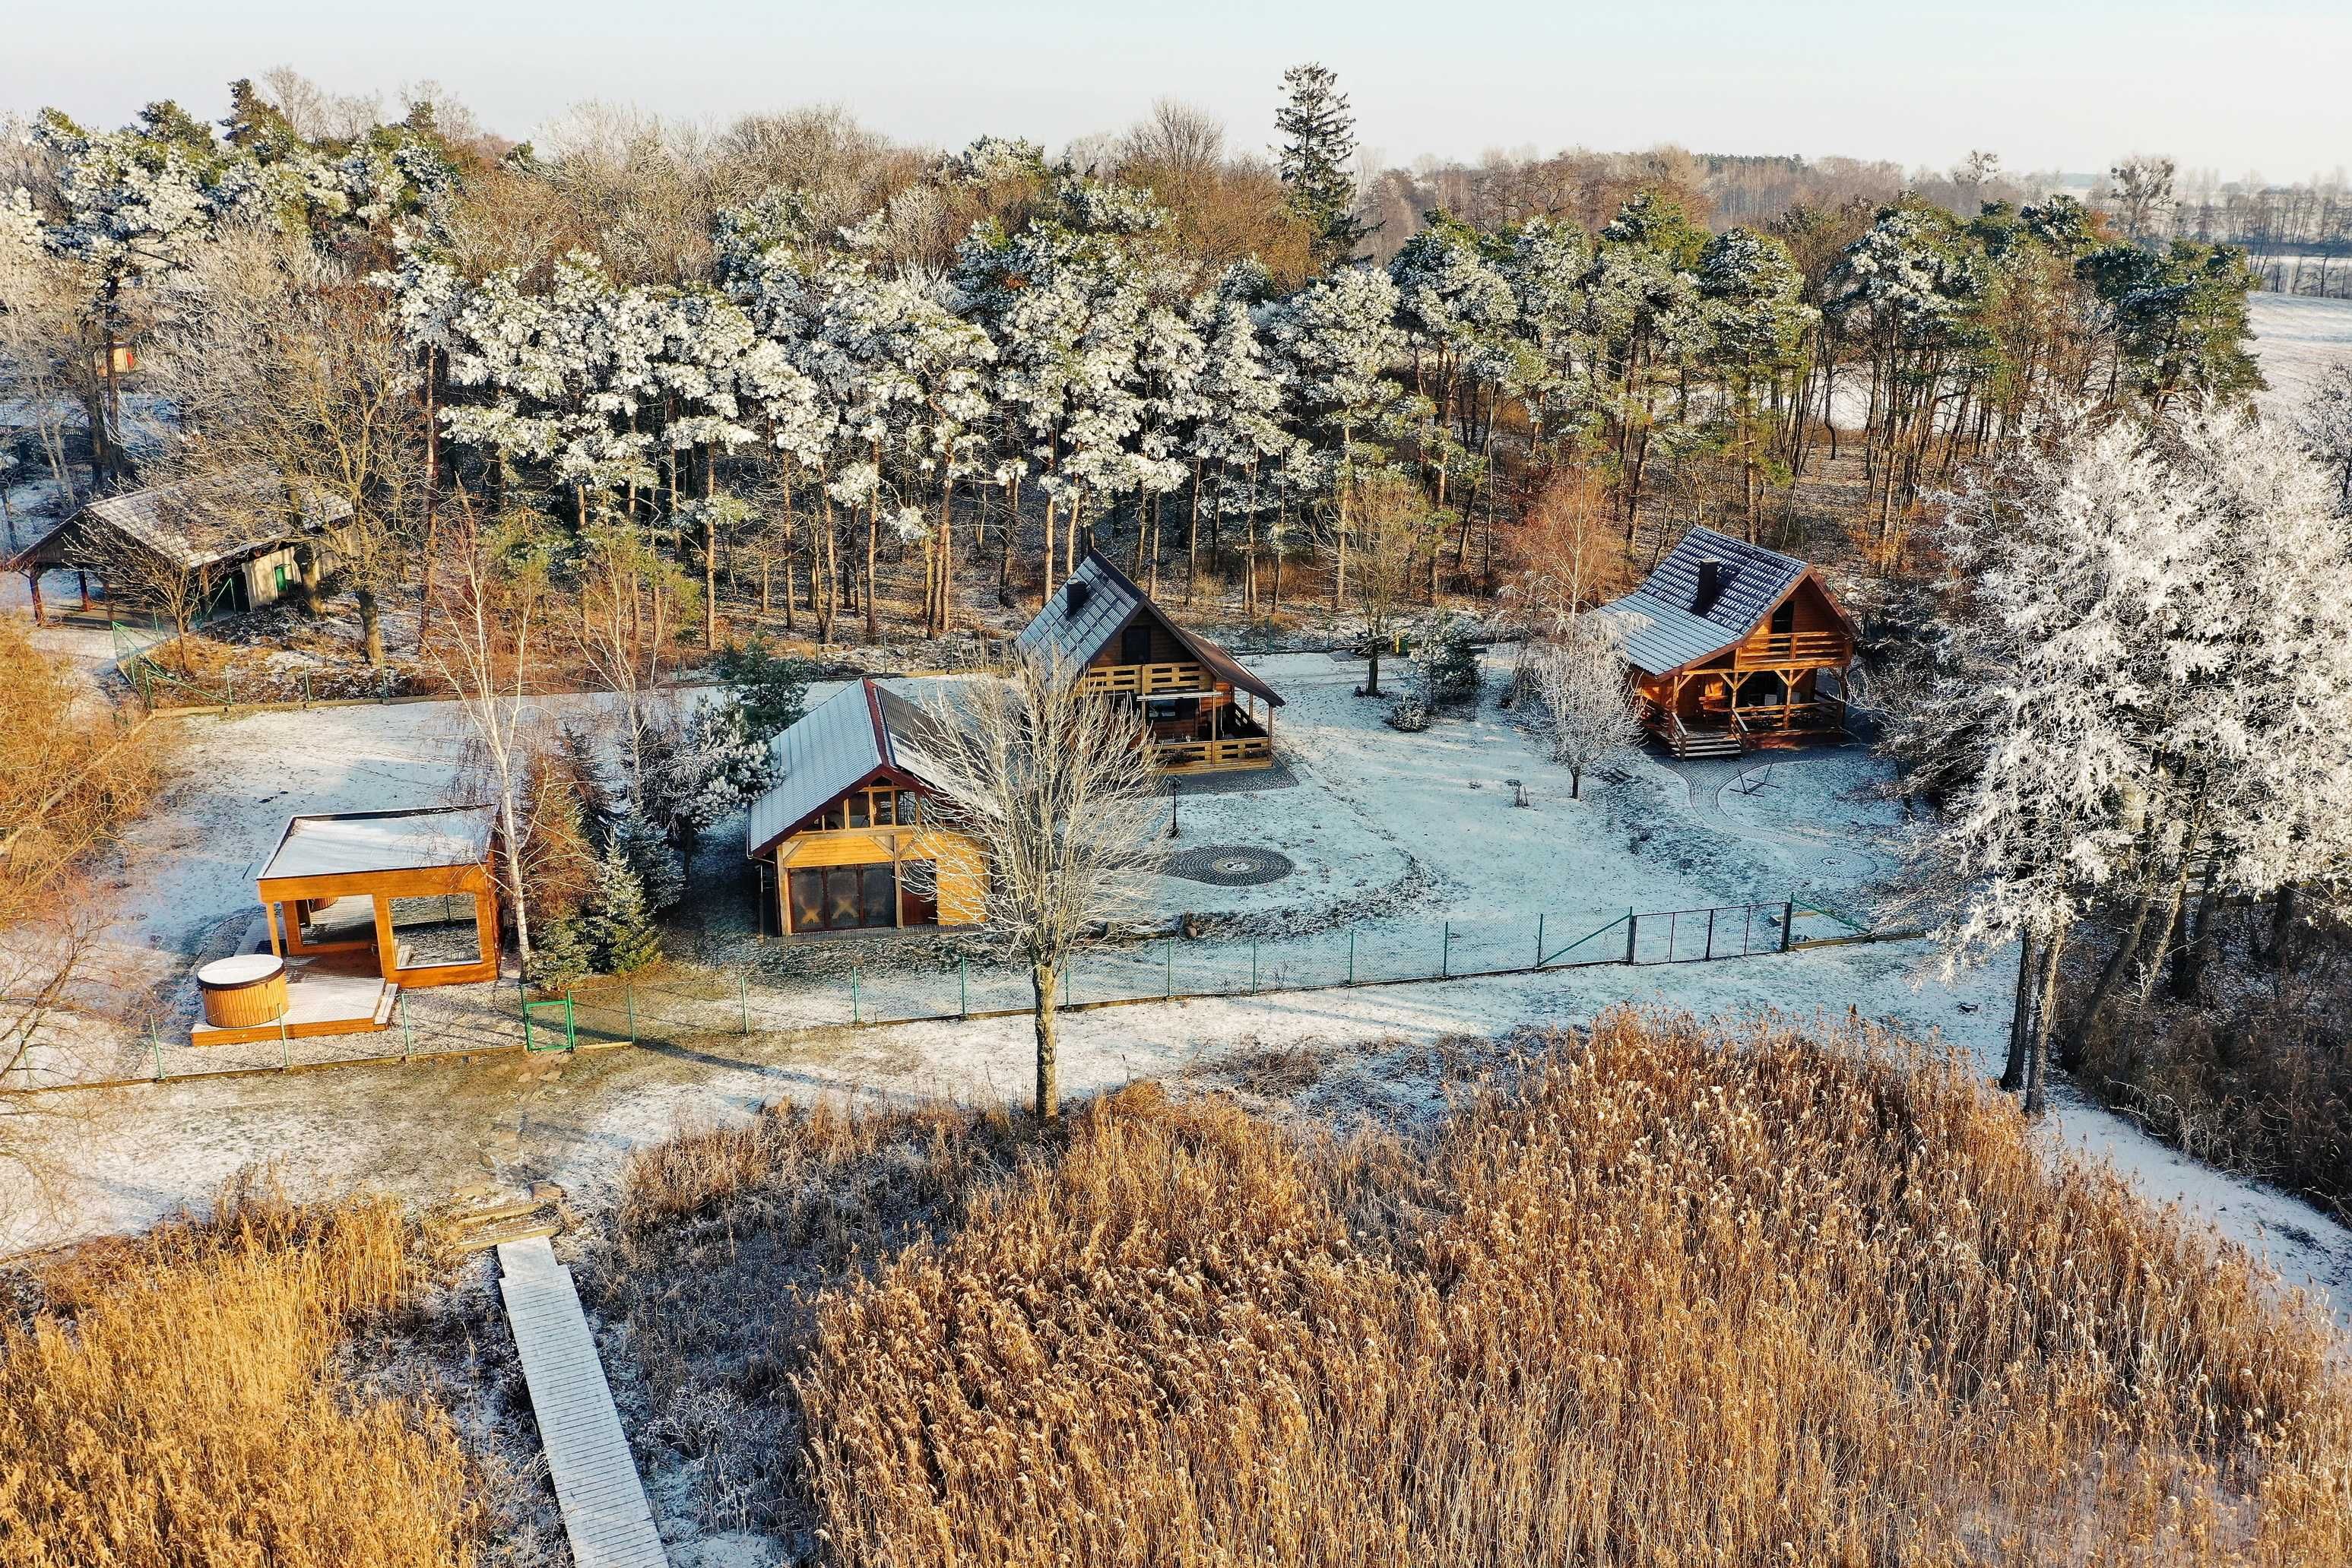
(1793, 649)
(1210, 756)
(1146, 680)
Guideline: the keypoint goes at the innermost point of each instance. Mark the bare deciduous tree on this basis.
(1053, 787)
(490, 591)
(1585, 688)
(1393, 522)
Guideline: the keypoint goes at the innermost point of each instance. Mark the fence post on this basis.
(306, 688)
(285, 1044)
(1253, 966)
(743, 995)
(228, 685)
(629, 990)
(853, 995)
(155, 1042)
(1446, 953)
(1540, 938)
(1710, 934)
(1351, 956)
(963, 988)
(407, 1040)
(1168, 980)
(1066, 978)
(1788, 923)
(1632, 924)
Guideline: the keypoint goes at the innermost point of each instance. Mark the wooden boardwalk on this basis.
(596, 1484)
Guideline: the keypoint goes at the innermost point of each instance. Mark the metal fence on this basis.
(680, 1006)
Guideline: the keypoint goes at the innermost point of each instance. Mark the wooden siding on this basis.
(474, 882)
(959, 860)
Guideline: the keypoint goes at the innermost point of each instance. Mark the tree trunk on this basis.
(1372, 675)
(2070, 1053)
(2188, 958)
(2037, 1062)
(370, 626)
(1049, 1073)
(710, 576)
(2021, 1015)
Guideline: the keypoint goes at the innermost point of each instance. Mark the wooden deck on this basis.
(596, 1485)
(333, 994)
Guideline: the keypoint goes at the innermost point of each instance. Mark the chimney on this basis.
(1078, 591)
(1710, 585)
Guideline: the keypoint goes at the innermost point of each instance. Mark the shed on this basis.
(356, 882)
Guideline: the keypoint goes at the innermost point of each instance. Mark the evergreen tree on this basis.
(561, 955)
(651, 856)
(1316, 160)
(616, 925)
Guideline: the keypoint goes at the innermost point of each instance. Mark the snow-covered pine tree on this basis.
(616, 925)
(650, 855)
(1316, 161)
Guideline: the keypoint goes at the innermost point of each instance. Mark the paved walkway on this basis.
(596, 1484)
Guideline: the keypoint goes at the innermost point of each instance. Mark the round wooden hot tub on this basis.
(243, 991)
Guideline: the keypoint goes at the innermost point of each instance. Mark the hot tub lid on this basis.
(245, 969)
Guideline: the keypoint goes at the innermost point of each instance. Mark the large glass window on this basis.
(843, 898)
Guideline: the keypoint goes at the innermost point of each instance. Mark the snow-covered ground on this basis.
(1392, 836)
(2295, 338)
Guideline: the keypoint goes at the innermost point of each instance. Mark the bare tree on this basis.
(1053, 786)
(2142, 187)
(152, 580)
(1586, 687)
(294, 367)
(1393, 522)
(490, 591)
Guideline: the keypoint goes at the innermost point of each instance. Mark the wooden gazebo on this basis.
(362, 904)
(1734, 647)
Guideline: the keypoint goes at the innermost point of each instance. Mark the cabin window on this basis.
(1135, 645)
(859, 815)
(1784, 618)
(885, 808)
(1168, 710)
(843, 898)
(910, 813)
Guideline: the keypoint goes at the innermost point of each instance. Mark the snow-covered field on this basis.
(1391, 837)
(2295, 338)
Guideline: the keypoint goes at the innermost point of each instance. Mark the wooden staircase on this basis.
(1686, 742)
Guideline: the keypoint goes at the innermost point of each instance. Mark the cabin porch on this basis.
(1193, 722)
(1737, 709)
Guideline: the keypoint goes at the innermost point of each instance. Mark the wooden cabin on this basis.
(1203, 712)
(236, 541)
(359, 905)
(848, 815)
(1735, 647)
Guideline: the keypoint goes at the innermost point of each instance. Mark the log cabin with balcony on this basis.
(1203, 712)
(838, 835)
(1735, 647)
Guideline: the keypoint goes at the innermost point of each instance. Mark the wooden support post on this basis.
(387, 947)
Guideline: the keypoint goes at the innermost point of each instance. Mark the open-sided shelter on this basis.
(850, 812)
(1735, 646)
(1203, 712)
(354, 882)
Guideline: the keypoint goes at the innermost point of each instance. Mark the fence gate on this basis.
(548, 1025)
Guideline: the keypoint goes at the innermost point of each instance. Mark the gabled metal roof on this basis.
(844, 740)
(1665, 628)
(1094, 605)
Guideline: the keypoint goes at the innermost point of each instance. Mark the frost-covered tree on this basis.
(616, 924)
(1751, 297)
(1316, 160)
(1336, 339)
(2324, 424)
(1585, 688)
(1641, 307)
(1241, 427)
(1460, 320)
(2143, 658)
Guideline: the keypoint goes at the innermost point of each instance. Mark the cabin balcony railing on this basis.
(1791, 648)
(1174, 754)
(1145, 680)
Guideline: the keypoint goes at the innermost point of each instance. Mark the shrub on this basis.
(1449, 661)
(1674, 1298)
(180, 1403)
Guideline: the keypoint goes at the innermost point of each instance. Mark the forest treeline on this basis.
(883, 380)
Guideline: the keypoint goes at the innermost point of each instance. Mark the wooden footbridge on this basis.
(596, 1485)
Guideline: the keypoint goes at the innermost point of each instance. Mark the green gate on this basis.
(544, 1035)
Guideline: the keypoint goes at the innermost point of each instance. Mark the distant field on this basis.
(2295, 337)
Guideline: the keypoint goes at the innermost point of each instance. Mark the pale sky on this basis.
(2068, 84)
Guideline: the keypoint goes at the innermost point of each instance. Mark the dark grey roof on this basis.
(1091, 609)
(1665, 629)
(196, 522)
(835, 746)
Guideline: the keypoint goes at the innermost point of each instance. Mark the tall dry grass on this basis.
(179, 1404)
(1670, 1300)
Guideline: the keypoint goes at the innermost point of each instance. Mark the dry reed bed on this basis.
(179, 1404)
(1798, 1301)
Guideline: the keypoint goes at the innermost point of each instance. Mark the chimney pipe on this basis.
(1710, 585)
